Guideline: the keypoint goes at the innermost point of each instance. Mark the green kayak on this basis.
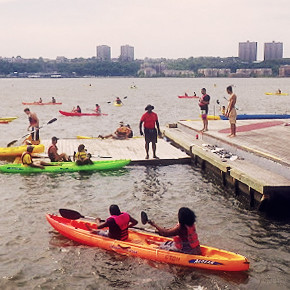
(66, 167)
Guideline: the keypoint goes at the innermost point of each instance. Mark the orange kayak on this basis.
(145, 245)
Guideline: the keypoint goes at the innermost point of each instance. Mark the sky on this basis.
(155, 28)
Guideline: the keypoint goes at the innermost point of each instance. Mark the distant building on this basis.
(127, 53)
(104, 52)
(213, 72)
(248, 51)
(273, 50)
(284, 71)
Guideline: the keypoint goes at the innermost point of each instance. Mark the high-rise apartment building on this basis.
(127, 53)
(273, 50)
(104, 52)
(248, 51)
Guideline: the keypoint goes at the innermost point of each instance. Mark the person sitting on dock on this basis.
(52, 152)
(185, 237)
(121, 133)
(77, 110)
(118, 224)
(26, 159)
(82, 157)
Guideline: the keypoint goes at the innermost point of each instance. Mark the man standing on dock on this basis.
(150, 120)
(203, 104)
(231, 112)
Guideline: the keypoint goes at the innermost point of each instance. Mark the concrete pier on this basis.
(257, 160)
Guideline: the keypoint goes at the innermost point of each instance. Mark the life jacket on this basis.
(192, 238)
(122, 131)
(50, 154)
(201, 100)
(22, 158)
(81, 155)
(122, 222)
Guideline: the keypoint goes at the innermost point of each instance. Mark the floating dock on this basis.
(257, 160)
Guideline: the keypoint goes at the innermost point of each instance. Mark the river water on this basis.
(34, 256)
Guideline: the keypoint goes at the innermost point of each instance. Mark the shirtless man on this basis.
(231, 112)
(33, 124)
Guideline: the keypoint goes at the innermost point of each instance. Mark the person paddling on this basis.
(185, 237)
(118, 224)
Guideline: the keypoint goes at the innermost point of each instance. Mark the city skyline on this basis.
(164, 28)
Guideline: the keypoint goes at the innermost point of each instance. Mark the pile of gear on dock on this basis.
(221, 152)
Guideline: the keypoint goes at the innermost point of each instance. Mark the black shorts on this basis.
(150, 135)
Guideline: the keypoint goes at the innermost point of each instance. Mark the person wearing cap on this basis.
(82, 157)
(26, 159)
(52, 152)
(150, 120)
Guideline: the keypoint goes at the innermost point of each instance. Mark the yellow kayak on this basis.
(212, 117)
(277, 94)
(13, 152)
(118, 105)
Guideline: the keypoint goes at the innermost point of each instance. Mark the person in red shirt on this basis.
(150, 120)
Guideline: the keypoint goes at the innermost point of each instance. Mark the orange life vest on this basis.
(192, 238)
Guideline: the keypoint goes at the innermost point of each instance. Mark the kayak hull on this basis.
(145, 245)
(118, 105)
(40, 104)
(17, 151)
(7, 119)
(277, 94)
(188, 97)
(60, 167)
(72, 114)
(258, 116)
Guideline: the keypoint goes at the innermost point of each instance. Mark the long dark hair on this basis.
(186, 216)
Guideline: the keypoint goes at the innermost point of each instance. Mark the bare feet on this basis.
(147, 157)
(155, 157)
(231, 135)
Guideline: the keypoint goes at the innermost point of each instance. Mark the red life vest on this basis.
(122, 222)
(50, 154)
(191, 237)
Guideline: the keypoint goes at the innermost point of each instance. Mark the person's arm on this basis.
(140, 127)
(132, 222)
(158, 128)
(100, 224)
(166, 232)
(231, 105)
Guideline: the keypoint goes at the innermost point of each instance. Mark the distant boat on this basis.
(81, 114)
(40, 104)
(188, 97)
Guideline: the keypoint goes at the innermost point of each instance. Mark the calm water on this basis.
(33, 256)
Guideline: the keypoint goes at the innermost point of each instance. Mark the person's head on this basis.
(203, 91)
(128, 126)
(97, 105)
(186, 216)
(229, 89)
(81, 147)
(121, 124)
(78, 106)
(54, 139)
(224, 107)
(114, 210)
(149, 108)
(27, 111)
(29, 148)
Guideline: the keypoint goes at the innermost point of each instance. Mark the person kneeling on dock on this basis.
(185, 237)
(82, 157)
(52, 152)
(26, 159)
(118, 224)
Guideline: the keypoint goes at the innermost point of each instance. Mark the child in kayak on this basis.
(185, 237)
(82, 157)
(118, 224)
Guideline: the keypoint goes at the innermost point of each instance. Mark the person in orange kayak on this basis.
(52, 152)
(118, 224)
(33, 124)
(26, 159)
(185, 237)
(82, 157)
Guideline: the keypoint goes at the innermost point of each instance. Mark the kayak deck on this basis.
(65, 167)
(146, 245)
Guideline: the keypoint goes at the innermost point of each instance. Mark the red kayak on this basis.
(41, 104)
(188, 97)
(81, 114)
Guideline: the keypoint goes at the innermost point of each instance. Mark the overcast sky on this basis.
(156, 28)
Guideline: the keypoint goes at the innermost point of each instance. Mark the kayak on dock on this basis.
(258, 116)
(66, 167)
(71, 114)
(11, 152)
(40, 104)
(145, 245)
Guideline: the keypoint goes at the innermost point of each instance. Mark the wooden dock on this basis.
(260, 163)
(133, 149)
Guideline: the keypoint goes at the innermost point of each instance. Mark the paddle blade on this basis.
(144, 217)
(70, 214)
(11, 143)
(51, 121)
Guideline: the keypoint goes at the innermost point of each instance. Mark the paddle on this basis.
(75, 215)
(109, 102)
(14, 141)
(144, 218)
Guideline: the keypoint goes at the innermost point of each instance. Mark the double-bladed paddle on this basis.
(14, 141)
(75, 215)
